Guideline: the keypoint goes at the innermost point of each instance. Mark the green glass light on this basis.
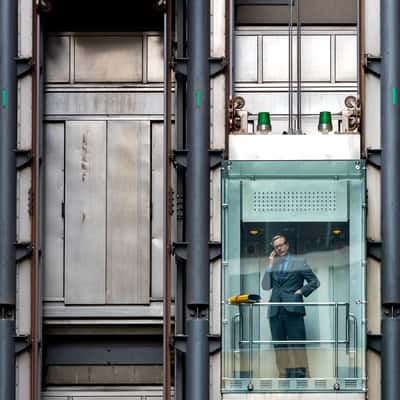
(264, 122)
(325, 122)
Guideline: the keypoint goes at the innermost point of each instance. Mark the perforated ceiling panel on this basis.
(294, 200)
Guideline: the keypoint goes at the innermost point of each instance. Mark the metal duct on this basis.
(390, 195)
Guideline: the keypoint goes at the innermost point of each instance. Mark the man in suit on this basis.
(286, 276)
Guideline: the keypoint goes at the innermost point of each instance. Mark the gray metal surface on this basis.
(57, 58)
(299, 147)
(53, 251)
(108, 59)
(85, 212)
(390, 195)
(128, 212)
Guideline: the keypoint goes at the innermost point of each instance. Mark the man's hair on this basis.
(276, 237)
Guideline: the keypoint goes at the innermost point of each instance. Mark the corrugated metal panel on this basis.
(128, 212)
(85, 212)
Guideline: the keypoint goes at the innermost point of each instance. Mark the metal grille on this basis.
(294, 201)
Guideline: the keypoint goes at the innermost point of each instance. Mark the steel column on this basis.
(198, 170)
(198, 200)
(390, 123)
(197, 374)
(8, 178)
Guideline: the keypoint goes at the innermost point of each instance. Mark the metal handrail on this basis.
(335, 341)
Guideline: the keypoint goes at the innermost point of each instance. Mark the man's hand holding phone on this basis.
(271, 258)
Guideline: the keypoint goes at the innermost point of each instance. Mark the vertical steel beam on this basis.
(198, 200)
(8, 178)
(198, 171)
(390, 124)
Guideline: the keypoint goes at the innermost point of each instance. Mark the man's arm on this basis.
(266, 282)
(311, 279)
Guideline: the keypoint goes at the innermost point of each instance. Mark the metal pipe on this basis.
(299, 66)
(167, 206)
(290, 67)
(36, 121)
(361, 73)
(8, 197)
(180, 129)
(390, 195)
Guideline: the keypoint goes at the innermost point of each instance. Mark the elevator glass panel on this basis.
(312, 341)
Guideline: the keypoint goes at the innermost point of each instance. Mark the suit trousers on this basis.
(291, 359)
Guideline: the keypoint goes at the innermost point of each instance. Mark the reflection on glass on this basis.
(306, 333)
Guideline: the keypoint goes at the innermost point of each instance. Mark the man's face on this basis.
(281, 247)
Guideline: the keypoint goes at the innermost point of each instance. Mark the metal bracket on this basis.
(180, 250)
(22, 343)
(216, 156)
(374, 157)
(374, 343)
(24, 251)
(24, 66)
(180, 66)
(372, 64)
(179, 342)
(374, 249)
(24, 158)
(217, 65)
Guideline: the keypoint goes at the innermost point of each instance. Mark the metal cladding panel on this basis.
(85, 212)
(128, 212)
(276, 58)
(108, 59)
(57, 67)
(316, 58)
(53, 254)
(155, 59)
(291, 200)
(157, 242)
(346, 58)
(103, 103)
(246, 58)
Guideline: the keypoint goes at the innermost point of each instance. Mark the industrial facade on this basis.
(151, 154)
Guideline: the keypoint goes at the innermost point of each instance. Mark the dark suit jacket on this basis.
(293, 279)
